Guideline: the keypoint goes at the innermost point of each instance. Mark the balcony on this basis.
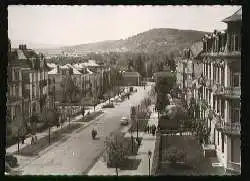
(42, 83)
(222, 54)
(229, 127)
(13, 99)
(232, 92)
(11, 82)
(230, 54)
(219, 89)
(232, 166)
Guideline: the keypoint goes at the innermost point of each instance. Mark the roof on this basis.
(237, 16)
(24, 57)
(67, 66)
(131, 74)
(51, 65)
(53, 71)
(89, 72)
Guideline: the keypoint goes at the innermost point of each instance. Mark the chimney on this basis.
(22, 47)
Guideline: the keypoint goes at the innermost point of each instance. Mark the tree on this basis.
(33, 121)
(115, 150)
(50, 117)
(174, 155)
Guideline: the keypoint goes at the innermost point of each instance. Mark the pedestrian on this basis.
(153, 129)
(148, 129)
(32, 140)
(23, 138)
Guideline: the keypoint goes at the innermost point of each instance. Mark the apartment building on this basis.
(27, 86)
(189, 69)
(221, 62)
(58, 74)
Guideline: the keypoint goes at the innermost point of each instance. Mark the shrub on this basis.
(11, 160)
(174, 155)
(116, 151)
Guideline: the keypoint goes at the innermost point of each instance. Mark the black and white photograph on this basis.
(124, 90)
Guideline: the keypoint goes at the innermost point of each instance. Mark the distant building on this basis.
(58, 74)
(189, 70)
(132, 79)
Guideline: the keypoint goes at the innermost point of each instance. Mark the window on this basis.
(237, 43)
(235, 114)
(222, 144)
(231, 43)
(218, 75)
(218, 105)
(222, 106)
(236, 79)
(232, 150)
(222, 76)
(218, 140)
(214, 136)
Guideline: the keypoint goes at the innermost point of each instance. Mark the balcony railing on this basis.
(219, 89)
(229, 127)
(234, 166)
(232, 91)
(222, 54)
(11, 99)
(42, 83)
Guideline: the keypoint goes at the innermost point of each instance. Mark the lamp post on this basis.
(137, 129)
(132, 140)
(18, 138)
(149, 157)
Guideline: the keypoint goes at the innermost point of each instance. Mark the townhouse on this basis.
(188, 71)
(27, 86)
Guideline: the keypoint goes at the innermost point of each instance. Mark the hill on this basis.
(152, 41)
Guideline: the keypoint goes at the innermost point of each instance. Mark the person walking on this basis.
(153, 129)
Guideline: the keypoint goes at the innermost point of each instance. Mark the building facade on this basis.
(27, 87)
(131, 79)
(221, 62)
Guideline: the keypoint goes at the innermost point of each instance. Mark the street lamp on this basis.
(149, 157)
(132, 140)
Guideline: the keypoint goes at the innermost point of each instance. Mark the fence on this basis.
(156, 158)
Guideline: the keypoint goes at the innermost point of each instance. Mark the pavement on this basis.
(13, 148)
(77, 154)
(148, 143)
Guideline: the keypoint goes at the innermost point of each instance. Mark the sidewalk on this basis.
(148, 143)
(13, 148)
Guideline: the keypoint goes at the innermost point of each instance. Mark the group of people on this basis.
(151, 129)
(33, 140)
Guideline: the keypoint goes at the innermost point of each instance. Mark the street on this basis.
(79, 152)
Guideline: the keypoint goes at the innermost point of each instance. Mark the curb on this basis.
(42, 152)
(89, 123)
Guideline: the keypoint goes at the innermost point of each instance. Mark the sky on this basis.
(72, 25)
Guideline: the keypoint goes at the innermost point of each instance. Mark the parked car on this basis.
(118, 100)
(109, 105)
(124, 121)
(11, 160)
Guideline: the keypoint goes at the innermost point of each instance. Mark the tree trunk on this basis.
(116, 170)
(49, 135)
